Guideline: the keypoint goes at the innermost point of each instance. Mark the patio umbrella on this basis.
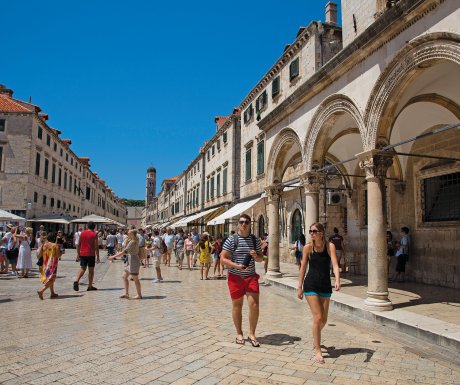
(6, 216)
(94, 218)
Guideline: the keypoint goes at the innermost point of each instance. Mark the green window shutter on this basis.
(218, 184)
(248, 164)
(224, 181)
(294, 69)
(260, 157)
(37, 164)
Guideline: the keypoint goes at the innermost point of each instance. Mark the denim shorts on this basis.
(322, 295)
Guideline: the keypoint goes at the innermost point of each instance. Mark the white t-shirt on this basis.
(156, 246)
(76, 238)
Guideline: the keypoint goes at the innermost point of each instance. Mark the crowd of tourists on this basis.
(236, 253)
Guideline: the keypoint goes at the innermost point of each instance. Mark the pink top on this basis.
(188, 244)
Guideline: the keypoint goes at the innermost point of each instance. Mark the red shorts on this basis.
(239, 286)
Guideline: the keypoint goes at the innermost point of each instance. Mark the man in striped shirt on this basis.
(239, 254)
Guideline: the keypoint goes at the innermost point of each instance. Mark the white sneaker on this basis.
(156, 280)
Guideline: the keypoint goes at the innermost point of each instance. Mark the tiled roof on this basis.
(9, 105)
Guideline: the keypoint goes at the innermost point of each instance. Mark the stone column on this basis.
(376, 163)
(311, 182)
(273, 193)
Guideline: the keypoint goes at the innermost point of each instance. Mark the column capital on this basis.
(375, 163)
(311, 181)
(274, 191)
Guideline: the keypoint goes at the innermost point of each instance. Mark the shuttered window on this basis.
(260, 157)
(224, 181)
(276, 86)
(248, 164)
(294, 69)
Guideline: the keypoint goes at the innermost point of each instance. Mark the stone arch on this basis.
(331, 106)
(416, 55)
(286, 151)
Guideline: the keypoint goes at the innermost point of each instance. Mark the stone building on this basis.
(358, 127)
(349, 127)
(40, 175)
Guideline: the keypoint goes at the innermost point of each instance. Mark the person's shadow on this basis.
(332, 352)
(278, 339)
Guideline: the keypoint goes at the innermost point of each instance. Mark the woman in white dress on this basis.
(25, 254)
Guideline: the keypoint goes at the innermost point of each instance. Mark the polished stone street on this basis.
(182, 333)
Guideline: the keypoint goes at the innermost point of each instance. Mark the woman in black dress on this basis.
(316, 287)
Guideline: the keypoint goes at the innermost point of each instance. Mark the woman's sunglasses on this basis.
(313, 231)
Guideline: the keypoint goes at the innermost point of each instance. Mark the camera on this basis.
(247, 260)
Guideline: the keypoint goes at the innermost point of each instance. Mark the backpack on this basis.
(163, 247)
(235, 241)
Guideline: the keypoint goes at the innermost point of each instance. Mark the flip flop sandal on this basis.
(254, 342)
(239, 341)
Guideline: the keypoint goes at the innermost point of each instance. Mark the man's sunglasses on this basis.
(244, 222)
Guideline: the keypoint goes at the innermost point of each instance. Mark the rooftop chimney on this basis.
(331, 13)
(6, 91)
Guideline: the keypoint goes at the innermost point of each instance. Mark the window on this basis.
(212, 188)
(44, 200)
(55, 147)
(248, 164)
(224, 137)
(209, 155)
(61, 152)
(207, 190)
(1, 158)
(294, 69)
(441, 198)
(58, 204)
(224, 180)
(198, 166)
(218, 144)
(35, 197)
(248, 114)
(37, 164)
(52, 202)
(197, 194)
(47, 163)
(48, 140)
(218, 185)
(261, 102)
(260, 157)
(276, 86)
(40, 132)
(66, 157)
(193, 198)
(88, 193)
(53, 173)
(71, 161)
(65, 180)
(70, 182)
(296, 227)
(59, 177)
(2, 125)
(213, 150)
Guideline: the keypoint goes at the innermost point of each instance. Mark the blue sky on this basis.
(140, 82)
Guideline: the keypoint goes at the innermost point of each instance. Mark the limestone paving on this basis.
(182, 333)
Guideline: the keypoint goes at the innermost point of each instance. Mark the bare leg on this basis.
(158, 269)
(207, 266)
(201, 270)
(126, 284)
(253, 303)
(137, 283)
(80, 273)
(91, 276)
(316, 308)
(237, 306)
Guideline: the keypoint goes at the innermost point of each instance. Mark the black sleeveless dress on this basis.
(318, 278)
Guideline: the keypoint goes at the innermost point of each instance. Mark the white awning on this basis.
(233, 212)
(185, 221)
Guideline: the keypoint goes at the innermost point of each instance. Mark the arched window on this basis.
(261, 225)
(296, 225)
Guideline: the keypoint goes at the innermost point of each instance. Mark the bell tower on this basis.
(151, 184)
